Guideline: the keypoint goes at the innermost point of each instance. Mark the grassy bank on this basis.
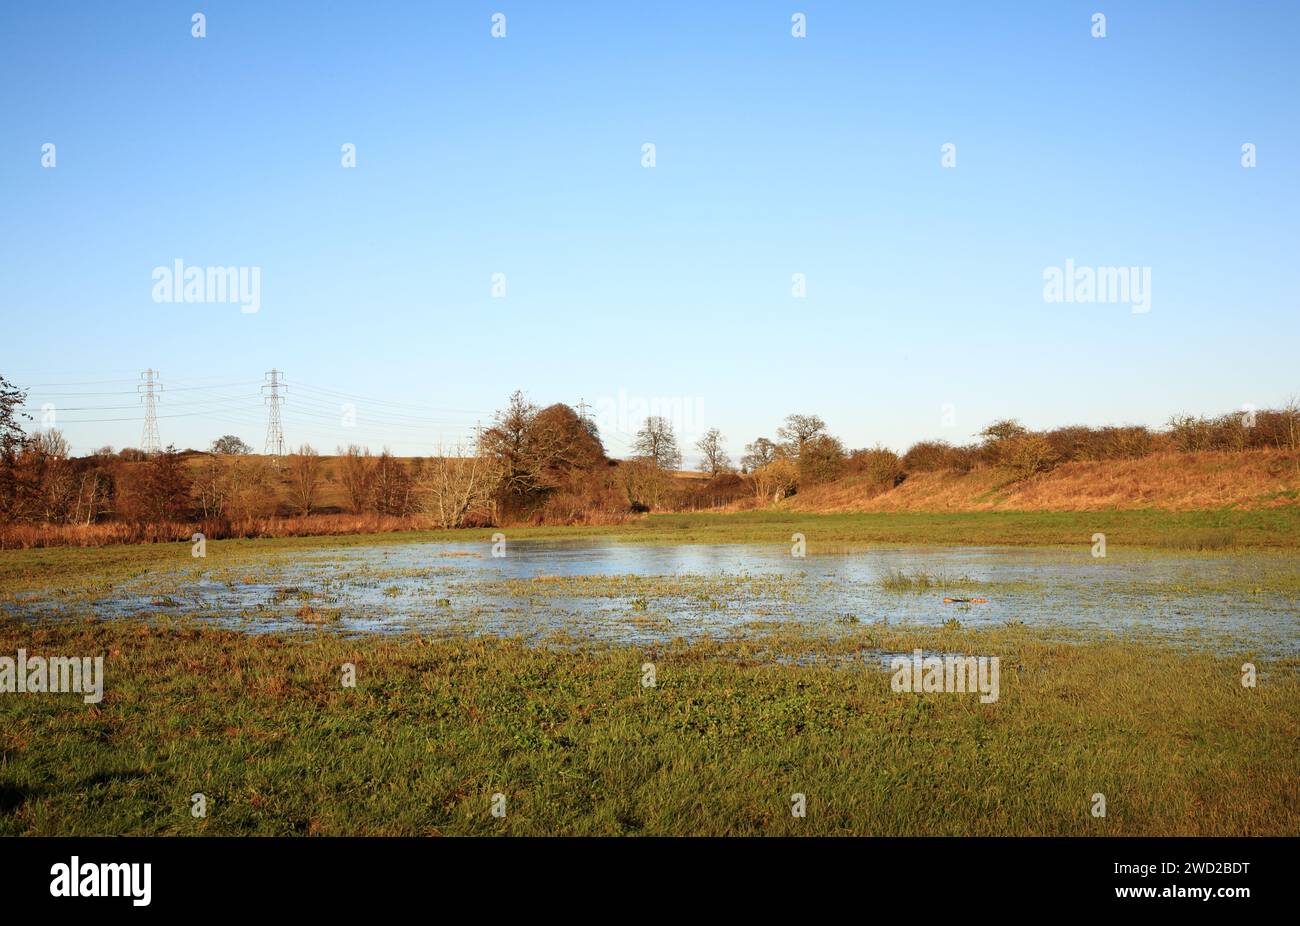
(264, 728)
(1170, 481)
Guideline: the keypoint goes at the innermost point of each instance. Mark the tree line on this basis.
(544, 465)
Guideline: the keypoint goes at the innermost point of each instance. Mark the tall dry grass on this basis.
(1171, 481)
(30, 535)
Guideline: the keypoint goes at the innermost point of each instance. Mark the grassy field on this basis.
(261, 724)
(264, 728)
(1150, 528)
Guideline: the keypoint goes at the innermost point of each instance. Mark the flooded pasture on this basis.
(642, 594)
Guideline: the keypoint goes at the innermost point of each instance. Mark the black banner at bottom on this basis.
(144, 876)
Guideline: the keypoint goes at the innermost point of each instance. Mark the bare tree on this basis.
(305, 476)
(656, 444)
(714, 459)
(209, 487)
(797, 431)
(455, 486)
(391, 491)
(94, 487)
(44, 479)
(760, 453)
(1291, 412)
(160, 489)
(252, 487)
(357, 473)
(508, 442)
(234, 486)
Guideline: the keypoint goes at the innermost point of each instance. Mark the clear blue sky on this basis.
(522, 155)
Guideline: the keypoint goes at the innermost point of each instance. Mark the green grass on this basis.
(1150, 528)
(262, 726)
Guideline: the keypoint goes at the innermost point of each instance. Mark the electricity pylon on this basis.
(150, 442)
(274, 430)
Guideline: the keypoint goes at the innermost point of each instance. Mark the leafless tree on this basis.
(508, 442)
(797, 431)
(455, 486)
(93, 495)
(714, 458)
(234, 486)
(305, 475)
(48, 478)
(1291, 412)
(357, 473)
(760, 453)
(391, 485)
(656, 444)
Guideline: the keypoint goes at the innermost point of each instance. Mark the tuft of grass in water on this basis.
(264, 727)
(309, 615)
(1205, 541)
(899, 580)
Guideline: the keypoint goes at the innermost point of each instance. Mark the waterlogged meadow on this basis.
(594, 687)
(618, 593)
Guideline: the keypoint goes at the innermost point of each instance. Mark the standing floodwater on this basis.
(643, 593)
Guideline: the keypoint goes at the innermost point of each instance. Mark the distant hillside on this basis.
(1174, 481)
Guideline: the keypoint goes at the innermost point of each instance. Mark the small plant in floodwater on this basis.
(952, 624)
(640, 604)
(897, 580)
(308, 614)
(443, 602)
(847, 619)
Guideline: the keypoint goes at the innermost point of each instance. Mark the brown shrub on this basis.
(880, 465)
(723, 490)
(930, 456)
(1027, 454)
(821, 459)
